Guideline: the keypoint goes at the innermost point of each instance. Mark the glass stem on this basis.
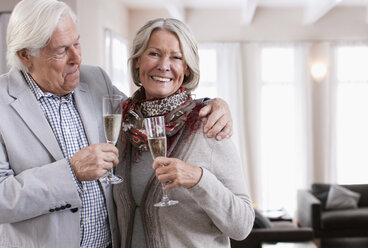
(165, 198)
(111, 171)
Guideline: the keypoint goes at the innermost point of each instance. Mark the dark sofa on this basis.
(335, 223)
(266, 231)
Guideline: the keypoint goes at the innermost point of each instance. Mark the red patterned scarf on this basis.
(179, 109)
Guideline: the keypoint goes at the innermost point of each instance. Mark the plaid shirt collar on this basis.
(39, 93)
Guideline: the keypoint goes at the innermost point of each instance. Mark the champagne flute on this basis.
(156, 136)
(112, 115)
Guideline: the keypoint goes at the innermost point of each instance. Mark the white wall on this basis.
(320, 52)
(94, 17)
(137, 18)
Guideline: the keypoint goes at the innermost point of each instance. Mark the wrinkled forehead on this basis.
(64, 34)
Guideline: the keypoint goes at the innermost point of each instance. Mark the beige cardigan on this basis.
(217, 208)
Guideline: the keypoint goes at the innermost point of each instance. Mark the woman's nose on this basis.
(164, 64)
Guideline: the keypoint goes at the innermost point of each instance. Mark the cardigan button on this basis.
(68, 205)
(52, 210)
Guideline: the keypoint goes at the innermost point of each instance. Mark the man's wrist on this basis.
(77, 183)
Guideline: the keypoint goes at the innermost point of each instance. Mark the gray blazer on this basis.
(38, 198)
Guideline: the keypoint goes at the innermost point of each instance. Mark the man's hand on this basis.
(176, 173)
(94, 161)
(219, 122)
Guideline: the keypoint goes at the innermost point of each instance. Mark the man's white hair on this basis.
(30, 27)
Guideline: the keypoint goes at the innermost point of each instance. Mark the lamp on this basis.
(319, 71)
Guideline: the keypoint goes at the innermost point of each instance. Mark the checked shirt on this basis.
(67, 126)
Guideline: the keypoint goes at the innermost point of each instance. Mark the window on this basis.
(351, 114)
(208, 71)
(279, 139)
(116, 61)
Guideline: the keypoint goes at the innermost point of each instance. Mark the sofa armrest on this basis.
(292, 235)
(280, 231)
(309, 210)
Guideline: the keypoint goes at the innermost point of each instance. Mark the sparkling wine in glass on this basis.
(112, 115)
(156, 136)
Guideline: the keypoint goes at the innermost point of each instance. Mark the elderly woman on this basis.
(203, 174)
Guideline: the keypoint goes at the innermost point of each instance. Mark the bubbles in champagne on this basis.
(112, 124)
(157, 146)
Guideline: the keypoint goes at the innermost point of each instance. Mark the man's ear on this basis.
(25, 58)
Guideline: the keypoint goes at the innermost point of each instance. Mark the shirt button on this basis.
(86, 220)
(84, 188)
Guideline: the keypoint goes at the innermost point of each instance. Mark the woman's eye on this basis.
(153, 54)
(178, 57)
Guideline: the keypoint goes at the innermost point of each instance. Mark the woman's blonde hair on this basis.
(187, 42)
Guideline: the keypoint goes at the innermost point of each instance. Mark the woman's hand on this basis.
(219, 122)
(176, 173)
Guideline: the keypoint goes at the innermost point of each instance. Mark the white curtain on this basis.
(4, 18)
(330, 169)
(116, 57)
(274, 186)
(348, 120)
(229, 84)
(304, 119)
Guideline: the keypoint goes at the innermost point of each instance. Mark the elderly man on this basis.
(51, 134)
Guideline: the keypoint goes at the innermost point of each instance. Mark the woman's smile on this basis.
(161, 79)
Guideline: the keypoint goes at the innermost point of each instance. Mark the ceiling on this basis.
(144, 4)
(313, 9)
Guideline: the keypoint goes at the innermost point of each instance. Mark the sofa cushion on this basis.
(322, 196)
(320, 187)
(341, 198)
(260, 221)
(345, 219)
(362, 189)
(359, 188)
